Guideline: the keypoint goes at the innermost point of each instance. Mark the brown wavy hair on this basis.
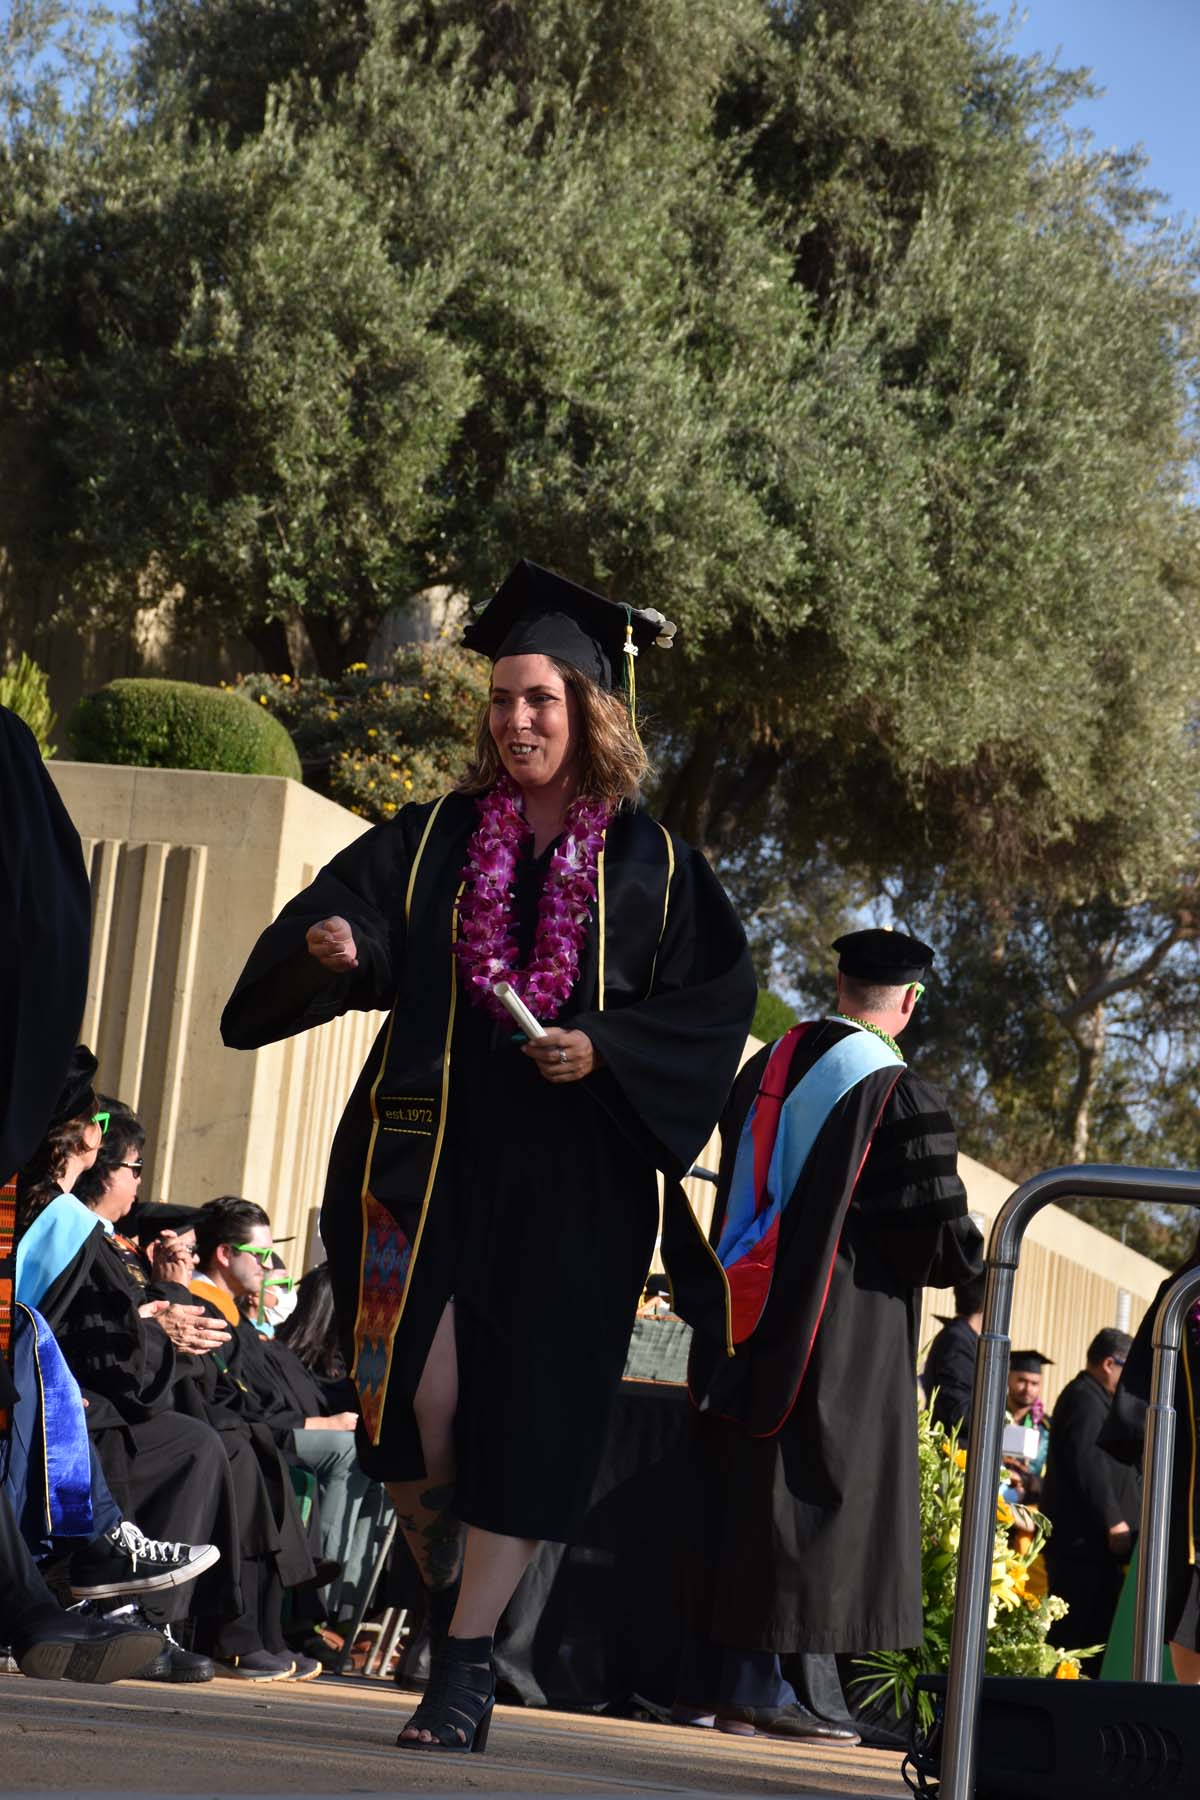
(613, 763)
(37, 1183)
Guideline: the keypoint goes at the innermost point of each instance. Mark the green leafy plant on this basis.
(155, 724)
(772, 1016)
(1018, 1617)
(373, 743)
(24, 689)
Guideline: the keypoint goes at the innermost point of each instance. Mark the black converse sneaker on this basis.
(125, 1561)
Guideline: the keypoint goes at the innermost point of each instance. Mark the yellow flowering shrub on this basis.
(1018, 1619)
(373, 743)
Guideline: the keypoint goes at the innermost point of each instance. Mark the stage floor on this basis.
(336, 1737)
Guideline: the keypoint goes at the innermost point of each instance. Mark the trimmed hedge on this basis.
(154, 724)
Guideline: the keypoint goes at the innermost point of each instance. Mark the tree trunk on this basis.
(270, 639)
(339, 639)
(687, 806)
(1088, 1038)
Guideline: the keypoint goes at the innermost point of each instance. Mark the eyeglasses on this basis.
(101, 1119)
(135, 1166)
(264, 1252)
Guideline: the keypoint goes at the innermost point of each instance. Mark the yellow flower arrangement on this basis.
(1018, 1619)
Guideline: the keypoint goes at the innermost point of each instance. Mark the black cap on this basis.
(538, 613)
(887, 957)
(153, 1217)
(76, 1091)
(1028, 1362)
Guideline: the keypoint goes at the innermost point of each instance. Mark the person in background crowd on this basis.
(948, 1377)
(233, 1252)
(838, 1199)
(306, 1354)
(1025, 1408)
(1091, 1500)
(474, 1170)
(161, 1470)
(1124, 1435)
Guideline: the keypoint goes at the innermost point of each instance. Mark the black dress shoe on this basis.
(793, 1721)
(72, 1647)
(174, 1663)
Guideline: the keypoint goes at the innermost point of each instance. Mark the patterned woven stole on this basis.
(8, 1222)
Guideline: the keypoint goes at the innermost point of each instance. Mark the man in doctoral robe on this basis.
(1092, 1500)
(838, 1199)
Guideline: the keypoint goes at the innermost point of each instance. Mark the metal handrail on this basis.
(968, 1642)
(1150, 1603)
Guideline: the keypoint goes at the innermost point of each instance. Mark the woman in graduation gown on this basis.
(474, 1173)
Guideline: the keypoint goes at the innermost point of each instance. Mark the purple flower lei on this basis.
(486, 947)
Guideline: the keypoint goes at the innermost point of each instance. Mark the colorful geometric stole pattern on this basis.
(776, 1140)
(8, 1226)
(387, 1253)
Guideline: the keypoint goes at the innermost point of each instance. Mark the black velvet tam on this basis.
(887, 957)
(538, 613)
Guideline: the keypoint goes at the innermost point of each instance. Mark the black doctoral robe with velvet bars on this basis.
(457, 1171)
(804, 1533)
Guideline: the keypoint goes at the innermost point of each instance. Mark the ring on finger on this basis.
(562, 1056)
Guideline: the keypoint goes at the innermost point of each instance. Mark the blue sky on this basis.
(1145, 54)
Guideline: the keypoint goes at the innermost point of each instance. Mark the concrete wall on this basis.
(186, 870)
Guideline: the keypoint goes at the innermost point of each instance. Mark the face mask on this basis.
(284, 1307)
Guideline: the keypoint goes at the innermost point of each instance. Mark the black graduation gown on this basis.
(1085, 1491)
(1124, 1435)
(45, 927)
(950, 1370)
(45, 930)
(806, 1538)
(458, 1172)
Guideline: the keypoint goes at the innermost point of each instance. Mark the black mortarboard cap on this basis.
(538, 613)
(156, 1216)
(887, 957)
(76, 1091)
(1028, 1362)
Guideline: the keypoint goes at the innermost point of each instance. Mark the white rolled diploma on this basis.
(520, 1013)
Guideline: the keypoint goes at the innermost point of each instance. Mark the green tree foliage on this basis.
(772, 1016)
(180, 725)
(373, 744)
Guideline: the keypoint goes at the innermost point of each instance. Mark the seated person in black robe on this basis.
(948, 1377)
(838, 1200)
(160, 1455)
(1091, 1500)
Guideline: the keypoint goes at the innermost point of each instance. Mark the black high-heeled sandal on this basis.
(461, 1696)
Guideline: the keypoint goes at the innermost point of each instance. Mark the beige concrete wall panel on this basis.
(187, 868)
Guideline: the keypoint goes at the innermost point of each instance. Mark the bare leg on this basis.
(492, 1567)
(1186, 1664)
(433, 1534)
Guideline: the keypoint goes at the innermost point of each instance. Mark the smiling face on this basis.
(534, 721)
